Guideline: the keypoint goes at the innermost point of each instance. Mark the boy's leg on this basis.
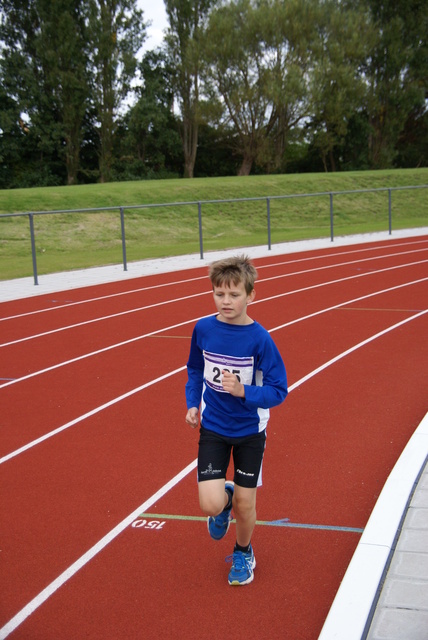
(215, 498)
(215, 494)
(212, 496)
(243, 560)
(244, 509)
(248, 457)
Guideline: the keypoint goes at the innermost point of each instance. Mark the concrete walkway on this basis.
(402, 609)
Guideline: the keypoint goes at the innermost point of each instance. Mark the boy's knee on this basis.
(211, 505)
(244, 504)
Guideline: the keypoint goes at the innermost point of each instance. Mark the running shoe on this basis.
(243, 565)
(218, 526)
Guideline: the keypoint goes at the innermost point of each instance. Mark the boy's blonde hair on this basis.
(233, 271)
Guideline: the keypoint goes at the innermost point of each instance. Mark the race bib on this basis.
(215, 363)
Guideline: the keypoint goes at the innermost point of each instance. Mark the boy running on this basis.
(235, 374)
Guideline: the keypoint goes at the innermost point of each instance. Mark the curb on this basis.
(359, 590)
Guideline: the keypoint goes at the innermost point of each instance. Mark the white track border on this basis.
(352, 605)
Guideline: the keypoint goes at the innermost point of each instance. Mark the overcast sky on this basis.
(154, 10)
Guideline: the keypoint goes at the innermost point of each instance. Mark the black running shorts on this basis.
(214, 457)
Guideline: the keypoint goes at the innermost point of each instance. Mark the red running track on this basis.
(102, 534)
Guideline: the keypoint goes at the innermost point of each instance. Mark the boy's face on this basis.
(231, 303)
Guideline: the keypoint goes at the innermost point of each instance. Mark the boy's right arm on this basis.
(192, 417)
(195, 376)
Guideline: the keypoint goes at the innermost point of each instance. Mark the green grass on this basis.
(78, 240)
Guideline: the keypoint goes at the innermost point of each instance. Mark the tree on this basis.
(63, 46)
(116, 33)
(397, 72)
(288, 30)
(413, 141)
(184, 41)
(149, 141)
(337, 86)
(234, 74)
(44, 71)
(256, 60)
(12, 137)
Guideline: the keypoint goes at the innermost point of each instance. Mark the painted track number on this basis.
(148, 524)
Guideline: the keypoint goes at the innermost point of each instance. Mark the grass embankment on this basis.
(78, 240)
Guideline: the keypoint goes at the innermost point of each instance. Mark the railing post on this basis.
(201, 243)
(33, 248)
(122, 228)
(331, 218)
(389, 211)
(268, 224)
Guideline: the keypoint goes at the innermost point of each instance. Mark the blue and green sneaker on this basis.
(243, 565)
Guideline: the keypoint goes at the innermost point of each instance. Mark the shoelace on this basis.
(223, 521)
(239, 560)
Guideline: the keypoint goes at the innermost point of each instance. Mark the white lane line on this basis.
(344, 253)
(98, 351)
(196, 295)
(90, 554)
(181, 324)
(178, 282)
(342, 304)
(99, 319)
(99, 546)
(99, 298)
(84, 416)
(355, 347)
(132, 392)
(345, 264)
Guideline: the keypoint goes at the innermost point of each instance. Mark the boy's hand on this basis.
(232, 385)
(192, 417)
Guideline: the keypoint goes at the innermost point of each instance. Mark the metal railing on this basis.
(198, 204)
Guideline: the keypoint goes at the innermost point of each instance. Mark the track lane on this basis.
(285, 356)
(152, 295)
(103, 455)
(53, 301)
(150, 593)
(101, 378)
(64, 496)
(312, 493)
(117, 325)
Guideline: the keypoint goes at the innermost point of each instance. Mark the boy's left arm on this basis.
(273, 390)
(267, 396)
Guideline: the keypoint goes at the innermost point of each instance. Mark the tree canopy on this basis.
(238, 86)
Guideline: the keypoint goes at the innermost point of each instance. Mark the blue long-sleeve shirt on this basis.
(250, 353)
